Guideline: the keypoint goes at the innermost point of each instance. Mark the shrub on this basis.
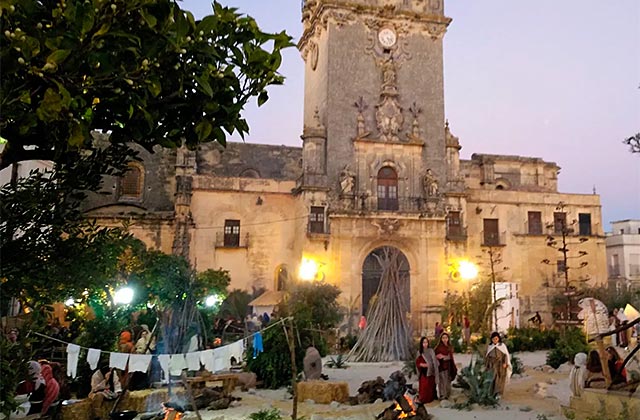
(272, 414)
(572, 341)
(477, 385)
(337, 363)
(530, 339)
(516, 365)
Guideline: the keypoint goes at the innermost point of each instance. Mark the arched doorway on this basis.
(373, 270)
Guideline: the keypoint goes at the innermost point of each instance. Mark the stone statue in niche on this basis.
(414, 135)
(430, 184)
(347, 181)
(389, 77)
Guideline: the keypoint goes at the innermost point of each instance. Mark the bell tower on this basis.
(374, 96)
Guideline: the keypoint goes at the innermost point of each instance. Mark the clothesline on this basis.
(213, 360)
(107, 351)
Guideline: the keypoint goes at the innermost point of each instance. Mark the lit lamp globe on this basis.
(211, 301)
(70, 302)
(123, 296)
(308, 270)
(468, 270)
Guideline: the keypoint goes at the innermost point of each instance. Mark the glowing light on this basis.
(212, 300)
(124, 296)
(468, 270)
(308, 269)
(70, 302)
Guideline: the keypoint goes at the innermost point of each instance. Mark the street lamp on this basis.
(310, 270)
(123, 295)
(467, 270)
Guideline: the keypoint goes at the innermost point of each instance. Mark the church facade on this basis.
(379, 169)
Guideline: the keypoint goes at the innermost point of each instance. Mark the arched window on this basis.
(131, 183)
(387, 189)
(282, 277)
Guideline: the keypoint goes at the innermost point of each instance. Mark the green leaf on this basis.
(103, 30)
(77, 135)
(25, 97)
(154, 86)
(263, 97)
(203, 84)
(203, 130)
(50, 107)
(149, 18)
(58, 56)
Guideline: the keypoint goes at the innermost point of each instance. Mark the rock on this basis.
(540, 389)
(551, 381)
(548, 369)
(379, 400)
(246, 380)
(445, 404)
(334, 404)
(564, 368)
(309, 401)
(526, 409)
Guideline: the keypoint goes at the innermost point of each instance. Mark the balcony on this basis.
(494, 238)
(231, 241)
(614, 271)
(456, 233)
(362, 203)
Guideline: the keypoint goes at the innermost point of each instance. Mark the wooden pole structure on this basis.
(192, 400)
(294, 370)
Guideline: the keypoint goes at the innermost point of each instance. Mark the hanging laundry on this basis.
(93, 357)
(236, 350)
(118, 360)
(193, 360)
(221, 359)
(139, 362)
(73, 352)
(206, 358)
(164, 360)
(257, 344)
(177, 364)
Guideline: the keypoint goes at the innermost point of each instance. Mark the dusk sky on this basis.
(555, 79)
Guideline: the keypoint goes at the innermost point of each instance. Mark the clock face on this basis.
(387, 37)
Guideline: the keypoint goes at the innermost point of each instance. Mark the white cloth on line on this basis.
(164, 360)
(118, 360)
(177, 364)
(236, 350)
(93, 357)
(73, 352)
(221, 359)
(193, 360)
(139, 362)
(206, 358)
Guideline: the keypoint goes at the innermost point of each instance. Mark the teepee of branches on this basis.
(388, 334)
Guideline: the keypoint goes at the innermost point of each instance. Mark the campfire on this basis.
(172, 411)
(404, 408)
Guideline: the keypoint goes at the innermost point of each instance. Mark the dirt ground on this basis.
(534, 393)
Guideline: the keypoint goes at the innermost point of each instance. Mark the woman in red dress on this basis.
(427, 366)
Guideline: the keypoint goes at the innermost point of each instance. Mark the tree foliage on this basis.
(144, 71)
(315, 309)
(634, 143)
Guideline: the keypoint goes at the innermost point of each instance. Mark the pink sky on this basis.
(552, 79)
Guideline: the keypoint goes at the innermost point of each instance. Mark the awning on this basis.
(268, 298)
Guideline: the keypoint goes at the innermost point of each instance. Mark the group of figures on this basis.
(348, 182)
(437, 369)
(587, 370)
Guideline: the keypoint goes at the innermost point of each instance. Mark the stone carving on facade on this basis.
(387, 226)
(430, 184)
(436, 30)
(361, 123)
(389, 117)
(414, 135)
(347, 181)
